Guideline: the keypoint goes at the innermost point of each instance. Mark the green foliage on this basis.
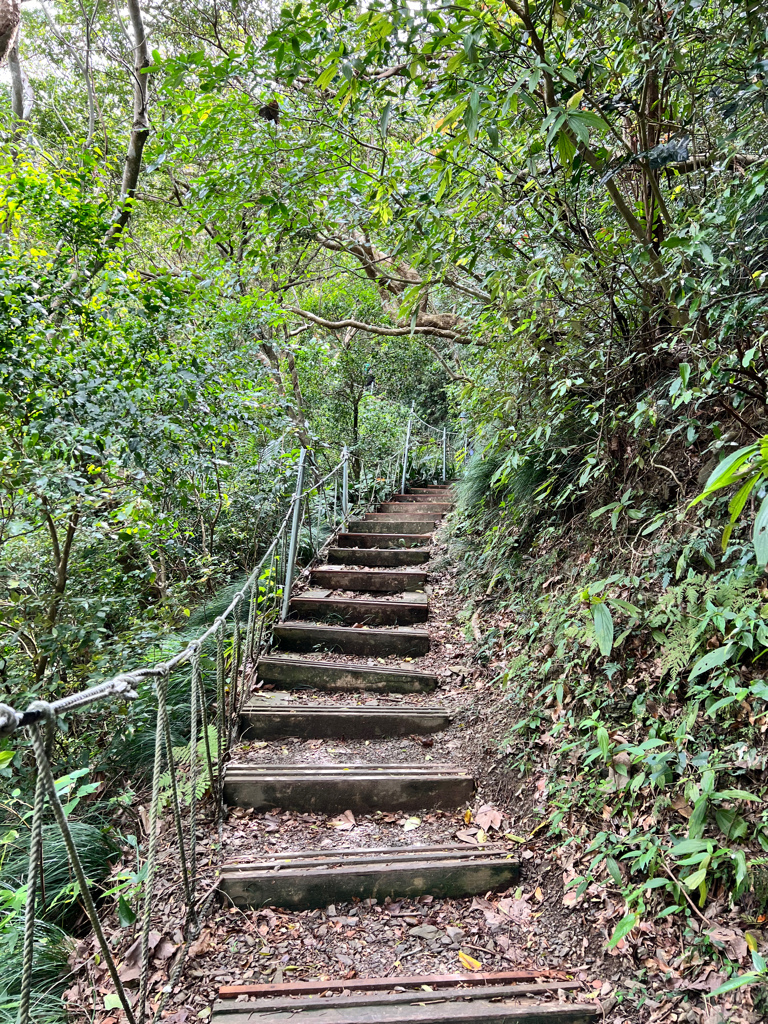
(182, 757)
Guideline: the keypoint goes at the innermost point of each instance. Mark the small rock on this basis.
(331, 911)
(425, 931)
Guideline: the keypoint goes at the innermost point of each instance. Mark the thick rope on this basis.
(44, 768)
(193, 774)
(149, 883)
(220, 703)
(30, 909)
(169, 760)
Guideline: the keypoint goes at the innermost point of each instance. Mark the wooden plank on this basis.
(378, 540)
(290, 672)
(437, 981)
(403, 514)
(398, 526)
(357, 788)
(397, 612)
(299, 636)
(407, 875)
(260, 721)
(436, 508)
(387, 582)
(386, 999)
(475, 1011)
(383, 557)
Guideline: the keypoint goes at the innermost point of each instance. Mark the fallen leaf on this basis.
(345, 821)
(733, 940)
(411, 823)
(488, 817)
(469, 961)
(467, 815)
(467, 836)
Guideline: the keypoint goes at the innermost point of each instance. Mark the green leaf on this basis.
(689, 846)
(325, 78)
(603, 627)
(735, 794)
(624, 927)
(125, 914)
(725, 473)
(694, 881)
(613, 869)
(711, 660)
(604, 742)
(698, 819)
(6, 756)
(737, 982)
(760, 534)
(112, 1002)
(739, 500)
(625, 606)
(384, 119)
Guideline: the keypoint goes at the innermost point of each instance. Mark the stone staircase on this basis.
(368, 604)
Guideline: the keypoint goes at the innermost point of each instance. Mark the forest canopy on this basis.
(233, 230)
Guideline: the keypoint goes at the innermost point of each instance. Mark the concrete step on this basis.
(399, 611)
(315, 878)
(387, 525)
(383, 557)
(400, 541)
(273, 718)
(370, 643)
(436, 508)
(334, 676)
(431, 489)
(360, 579)
(360, 788)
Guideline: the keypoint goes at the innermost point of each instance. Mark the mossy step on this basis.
(399, 611)
(402, 541)
(382, 557)
(272, 718)
(364, 580)
(438, 508)
(403, 516)
(315, 878)
(360, 788)
(370, 643)
(400, 526)
(290, 673)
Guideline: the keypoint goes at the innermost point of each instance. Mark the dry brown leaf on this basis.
(344, 822)
(466, 835)
(488, 817)
(732, 939)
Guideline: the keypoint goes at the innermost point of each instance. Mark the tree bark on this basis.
(22, 94)
(136, 143)
(10, 17)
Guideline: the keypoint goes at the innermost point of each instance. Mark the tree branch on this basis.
(389, 332)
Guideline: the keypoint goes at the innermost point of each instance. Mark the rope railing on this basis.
(315, 514)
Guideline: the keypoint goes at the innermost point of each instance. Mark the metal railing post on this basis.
(289, 566)
(345, 483)
(405, 450)
(445, 441)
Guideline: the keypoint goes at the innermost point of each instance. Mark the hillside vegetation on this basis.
(230, 231)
